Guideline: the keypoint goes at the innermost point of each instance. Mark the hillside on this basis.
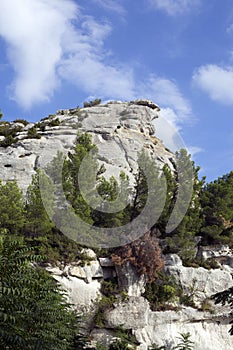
(146, 283)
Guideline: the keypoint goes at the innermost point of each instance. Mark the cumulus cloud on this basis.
(174, 107)
(49, 41)
(216, 81)
(88, 64)
(33, 31)
(174, 7)
(44, 46)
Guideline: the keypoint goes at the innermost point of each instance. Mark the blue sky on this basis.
(58, 53)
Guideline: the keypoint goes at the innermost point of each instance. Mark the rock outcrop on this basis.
(120, 131)
(208, 329)
(201, 282)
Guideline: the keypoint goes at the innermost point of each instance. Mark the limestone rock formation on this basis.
(119, 129)
(208, 329)
(203, 282)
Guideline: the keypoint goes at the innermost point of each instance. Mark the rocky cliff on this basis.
(120, 131)
(208, 328)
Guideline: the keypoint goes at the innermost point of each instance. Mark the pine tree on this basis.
(11, 207)
(116, 213)
(149, 192)
(38, 221)
(185, 220)
(71, 170)
(217, 210)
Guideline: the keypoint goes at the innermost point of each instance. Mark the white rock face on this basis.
(81, 292)
(82, 283)
(132, 314)
(120, 131)
(88, 272)
(207, 331)
(130, 280)
(205, 282)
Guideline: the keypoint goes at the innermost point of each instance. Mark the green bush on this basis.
(54, 122)
(206, 306)
(8, 141)
(22, 121)
(119, 345)
(104, 304)
(33, 134)
(161, 291)
(93, 103)
(10, 132)
(109, 287)
(185, 344)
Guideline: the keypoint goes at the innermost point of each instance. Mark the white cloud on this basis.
(111, 5)
(44, 46)
(174, 107)
(194, 150)
(174, 7)
(216, 81)
(33, 31)
(88, 65)
(49, 41)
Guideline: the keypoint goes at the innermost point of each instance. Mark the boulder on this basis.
(81, 294)
(131, 314)
(89, 271)
(130, 280)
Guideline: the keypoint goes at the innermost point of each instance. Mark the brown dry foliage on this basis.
(144, 254)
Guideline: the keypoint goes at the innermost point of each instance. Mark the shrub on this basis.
(77, 125)
(54, 122)
(6, 129)
(208, 264)
(162, 290)
(22, 121)
(33, 134)
(8, 141)
(185, 342)
(109, 287)
(119, 345)
(93, 103)
(144, 253)
(104, 304)
(206, 306)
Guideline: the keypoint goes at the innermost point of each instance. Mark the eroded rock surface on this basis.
(120, 131)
